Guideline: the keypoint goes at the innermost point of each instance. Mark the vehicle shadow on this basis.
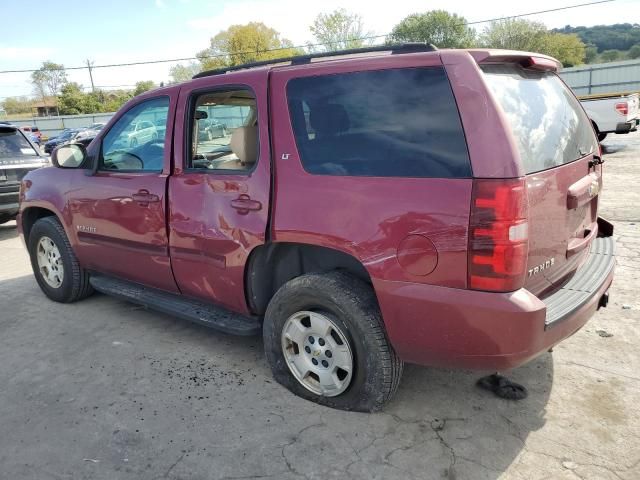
(103, 361)
(610, 148)
(8, 230)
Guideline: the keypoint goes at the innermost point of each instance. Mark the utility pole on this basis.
(93, 88)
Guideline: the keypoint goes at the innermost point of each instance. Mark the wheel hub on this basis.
(50, 262)
(317, 353)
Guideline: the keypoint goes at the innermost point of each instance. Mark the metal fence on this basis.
(51, 126)
(614, 77)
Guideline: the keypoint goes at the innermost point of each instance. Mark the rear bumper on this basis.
(431, 325)
(627, 127)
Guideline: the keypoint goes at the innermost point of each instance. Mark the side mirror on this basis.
(71, 155)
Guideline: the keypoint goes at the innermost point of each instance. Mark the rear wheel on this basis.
(54, 264)
(4, 218)
(325, 341)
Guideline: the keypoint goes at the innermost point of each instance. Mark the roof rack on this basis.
(302, 59)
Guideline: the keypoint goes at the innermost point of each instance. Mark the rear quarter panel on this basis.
(366, 217)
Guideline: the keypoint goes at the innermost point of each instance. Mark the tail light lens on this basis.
(498, 235)
(622, 108)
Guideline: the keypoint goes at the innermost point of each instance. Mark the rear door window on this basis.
(384, 123)
(547, 121)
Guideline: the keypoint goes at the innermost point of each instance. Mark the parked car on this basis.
(18, 156)
(32, 130)
(208, 129)
(140, 133)
(438, 208)
(612, 113)
(66, 136)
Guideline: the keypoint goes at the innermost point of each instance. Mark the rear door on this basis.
(557, 146)
(219, 191)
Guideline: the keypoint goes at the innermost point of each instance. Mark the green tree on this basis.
(568, 48)
(519, 34)
(143, 86)
(339, 30)
(439, 27)
(48, 79)
(243, 44)
(181, 73)
(634, 52)
(13, 105)
(72, 99)
(590, 53)
(610, 55)
(115, 99)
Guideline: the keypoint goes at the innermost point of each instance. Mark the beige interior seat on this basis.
(244, 144)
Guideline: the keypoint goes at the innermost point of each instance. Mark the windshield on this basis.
(13, 144)
(547, 121)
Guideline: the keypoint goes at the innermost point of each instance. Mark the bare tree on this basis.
(48, 79)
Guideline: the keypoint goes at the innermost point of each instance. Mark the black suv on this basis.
(18, 155)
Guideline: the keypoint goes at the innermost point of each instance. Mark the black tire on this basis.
(6, 218)
(353, 307)
(75, 283)
(601, 136)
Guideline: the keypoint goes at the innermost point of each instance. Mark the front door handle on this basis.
(144, 198)
(244, 204)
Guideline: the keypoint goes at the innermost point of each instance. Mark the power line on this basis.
(371, 37)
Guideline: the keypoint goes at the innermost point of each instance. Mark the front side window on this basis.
(224, 131)
(384, 123)
(548, 123)
(134, 142)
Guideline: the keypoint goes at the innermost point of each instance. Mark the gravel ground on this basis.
(103, 389)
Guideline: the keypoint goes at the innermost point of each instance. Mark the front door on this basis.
(119, 213)
(220, 187)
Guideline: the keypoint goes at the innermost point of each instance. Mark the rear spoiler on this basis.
(534, 61)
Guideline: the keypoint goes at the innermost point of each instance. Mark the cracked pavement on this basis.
(104, 389)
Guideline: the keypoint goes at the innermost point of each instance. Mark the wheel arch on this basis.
(273, 264)
(30, 215)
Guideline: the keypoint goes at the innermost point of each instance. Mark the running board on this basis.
(178, 306)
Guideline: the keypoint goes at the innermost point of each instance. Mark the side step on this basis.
(178, 306)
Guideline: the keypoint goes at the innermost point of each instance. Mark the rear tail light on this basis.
(622, 108)
(498, 235)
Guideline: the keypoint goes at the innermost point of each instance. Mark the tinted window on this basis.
(387, 123)
(126, 147)
(224, 131)
(547, 121)
(13, 144)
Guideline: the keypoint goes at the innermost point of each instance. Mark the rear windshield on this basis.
(384, 123)
(547, 121)
(13, 144)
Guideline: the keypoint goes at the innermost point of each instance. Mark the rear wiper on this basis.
(595, 161)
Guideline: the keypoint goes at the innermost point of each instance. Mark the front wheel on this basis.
(54, 264)
(325, 341)
(601, 136)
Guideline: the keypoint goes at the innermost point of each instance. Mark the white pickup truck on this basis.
(612, 113)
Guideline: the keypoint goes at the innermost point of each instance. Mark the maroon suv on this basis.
(361, 211)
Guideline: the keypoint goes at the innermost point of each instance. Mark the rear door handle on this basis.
(144, 198)
(244, 204)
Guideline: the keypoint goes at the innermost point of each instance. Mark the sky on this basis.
(120, 31)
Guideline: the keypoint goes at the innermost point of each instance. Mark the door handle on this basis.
(144, 198)
(244, 204)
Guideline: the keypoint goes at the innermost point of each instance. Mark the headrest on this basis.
(244, 143)
(329, 119)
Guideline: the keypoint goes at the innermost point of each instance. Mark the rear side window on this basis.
(547, 121)
(384, 123)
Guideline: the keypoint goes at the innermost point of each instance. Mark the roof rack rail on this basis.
(301, 59)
